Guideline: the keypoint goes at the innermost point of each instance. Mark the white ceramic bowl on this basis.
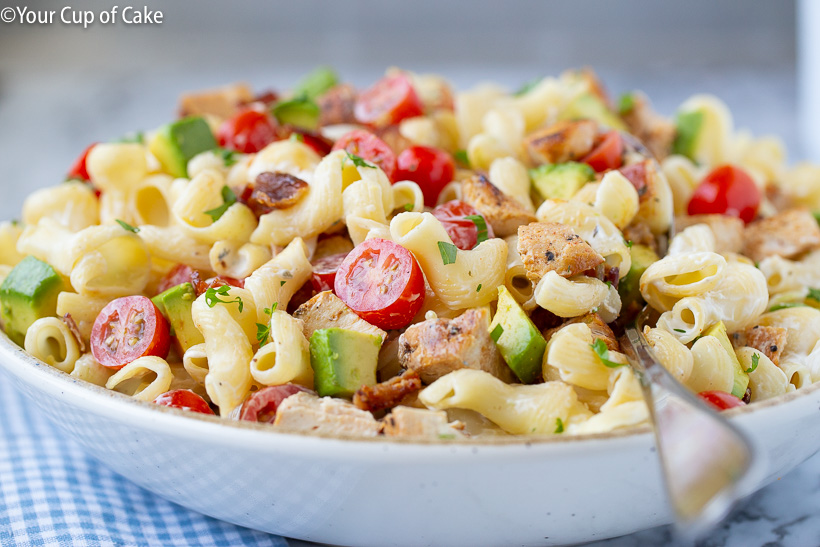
(372, 492)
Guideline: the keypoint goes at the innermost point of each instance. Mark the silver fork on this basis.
(707, 463)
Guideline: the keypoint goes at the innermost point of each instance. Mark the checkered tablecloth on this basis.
(52, 493)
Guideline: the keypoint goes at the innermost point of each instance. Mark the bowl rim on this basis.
(27, 368)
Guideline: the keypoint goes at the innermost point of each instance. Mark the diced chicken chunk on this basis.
(326, 310)
(728, 230)
(221, 102)
(304, 412)
(655, 131)
(387, 394)
(567, 140)
(504, 213)
(548, 246)
(639, 233)
(596, 325)
(436, 347)
(770, 341)
(404, 421)
(336, 105)
(785, 234)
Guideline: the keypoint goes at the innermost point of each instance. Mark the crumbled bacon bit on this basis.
(72, 326)
(273, 191)
(337, 104)
(387, 394)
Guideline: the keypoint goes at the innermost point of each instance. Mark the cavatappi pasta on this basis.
(416, 261)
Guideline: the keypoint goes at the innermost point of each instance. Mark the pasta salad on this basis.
(410, 261)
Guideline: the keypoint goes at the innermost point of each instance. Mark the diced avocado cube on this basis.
(520, 343)
(343, 361)
(175, 305)
(301, 111)
(561, 180)
(629, 285)
(174, 144)
(317, 82)
(687, 136)
(590, 107)
(741, 377)
(28, 293)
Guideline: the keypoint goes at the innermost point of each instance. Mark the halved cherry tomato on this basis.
(201, 286)
(323, 277)
(184, 399)
(463, 231)
(179, 274)
(128, 328)
(248, 132)
(320, 144)
(382, 282)
(720, 400)
(636, 174)
(262, 405)
(726, 190)
(431, 168)
(79, 169)
(607, 154)
(388, 102)
(369, 147)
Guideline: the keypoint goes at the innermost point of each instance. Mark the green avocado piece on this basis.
(343, 361)
(176, 143)
(300, 111)
(629, 285)
(741, 377)
(28, 293)
(520, 343)
(317, 82)
(175, 304)
(687, 136)
(589, 107)
(561, 180)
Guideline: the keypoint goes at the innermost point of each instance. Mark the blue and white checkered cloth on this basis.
(52, 493)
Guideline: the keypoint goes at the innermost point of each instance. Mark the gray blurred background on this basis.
(62, 86)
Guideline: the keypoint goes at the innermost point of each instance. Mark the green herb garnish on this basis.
(481, 228)
(628, 243)
(447, 436)
(786, 305)
(358, 161)
(478, 288)
(679, 330)
(600, 349)
(228, 199)
(755, 361)
(262, 333)
(212, 297)
(448, 252)
(282, 282)
(527, 87)
(127, 226)
(814, 294)
(496, 333)
(408, 207)
(461, 157)
(559, 425)
(626, 103)
(228, 156)
(296, 137)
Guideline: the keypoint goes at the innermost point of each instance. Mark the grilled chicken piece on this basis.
(326, 310)
(222, 102)
(785, 234)
(436, 347)
(404, 421)
(596, 325)
(387, 394)
(567, 140)
(770, 341)
(503, 212)
(304, 412)
(640, 234)
(654, 131)
(728, 230)
(548, 246)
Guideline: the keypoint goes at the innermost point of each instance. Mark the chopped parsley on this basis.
(212, 297)
(228, 199)
(228, 156)
(408, 207)
(628, 243)
(358, 161)
(461, 157)
(600, 349)
(626, 103)
(126, 226)
(755, 361)
(282, 283)
(496, 333)
(814, 294)
(480, 226)
(269, 311)
(448, 252)
(786, 305)
(559, 425)
(296, 137)
(527, 87)
(609, 284)
(478, 288)
(262, 333)
(679, 330)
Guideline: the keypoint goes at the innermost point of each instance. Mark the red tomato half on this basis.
(262, 405)
(720, 400)
(79, 169)
(636, 174)
(726, 190)
(248, 132)
(370, 148)
(431, 168)
(184, 399)
(213, 282)
(179, 274)
(462, 230)
(382, 282)
(388, 102)
(129, 328)
(607, 154)
(323, 277)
